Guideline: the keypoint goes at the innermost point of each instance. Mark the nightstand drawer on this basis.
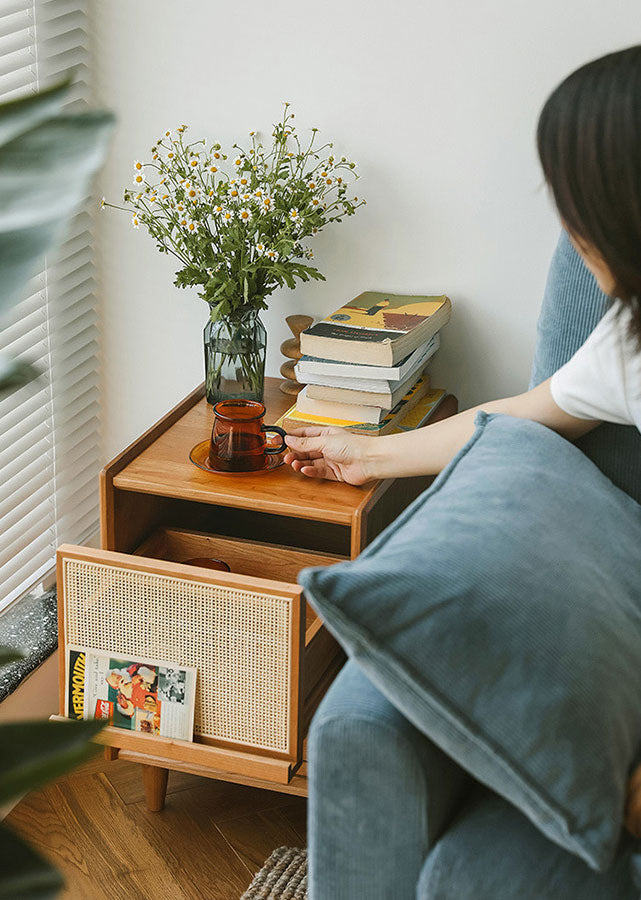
(263, 657)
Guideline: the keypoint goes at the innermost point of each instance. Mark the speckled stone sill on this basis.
(30, 626)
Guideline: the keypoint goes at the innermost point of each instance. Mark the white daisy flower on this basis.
(191, 193)
(294, 215)
(139, 178)
(213, 169)
(233, 182)
(183, 222)
(234, 193)
(138, 165)
(192, 226)
(246, 197)
(244, 181)
(310, 254)
(315, 201)
(218, 209)
(267, 203)
(258, 193)
(272, 254)
(238, 161)
(227, 215)
(135, 221)
(245, 214)
(260, 248)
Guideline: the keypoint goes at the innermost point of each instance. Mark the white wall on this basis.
(436, 101)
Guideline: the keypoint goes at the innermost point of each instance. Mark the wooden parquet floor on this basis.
(207, 844)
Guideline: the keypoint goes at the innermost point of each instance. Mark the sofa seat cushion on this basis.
(492, 852)
(501, 613)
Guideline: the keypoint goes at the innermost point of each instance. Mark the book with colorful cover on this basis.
(376, 328)
(130, 692)
(420, 398)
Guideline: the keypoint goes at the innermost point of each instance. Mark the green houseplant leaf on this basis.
(32, 753)
(25, 874)
(47, 160)
(9, 655)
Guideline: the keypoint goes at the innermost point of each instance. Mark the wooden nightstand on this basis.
(264, 659)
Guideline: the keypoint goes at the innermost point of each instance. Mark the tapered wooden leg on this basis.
(155, 782)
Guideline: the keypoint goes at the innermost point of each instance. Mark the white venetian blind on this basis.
(49, 450)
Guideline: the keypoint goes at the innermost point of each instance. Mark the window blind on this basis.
(49, 438)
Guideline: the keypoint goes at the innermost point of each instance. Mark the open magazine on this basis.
(141, 695)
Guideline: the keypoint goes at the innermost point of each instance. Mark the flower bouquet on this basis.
(239, 224)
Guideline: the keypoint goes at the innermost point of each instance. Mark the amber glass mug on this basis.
(238, 442)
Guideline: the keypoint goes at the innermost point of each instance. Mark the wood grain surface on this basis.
(207, 844)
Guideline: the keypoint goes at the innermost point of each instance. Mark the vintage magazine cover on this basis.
(137, 694)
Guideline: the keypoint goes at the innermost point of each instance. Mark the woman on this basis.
(589, 142)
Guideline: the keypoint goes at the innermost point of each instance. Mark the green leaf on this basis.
(47, 160)
(24, 874)
(18, 116)
(9, 655)
(32, 753)
(44, 175)
(14, 374)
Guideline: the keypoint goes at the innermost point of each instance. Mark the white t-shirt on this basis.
(603, 379)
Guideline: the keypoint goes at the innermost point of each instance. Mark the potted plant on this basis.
(239, 223)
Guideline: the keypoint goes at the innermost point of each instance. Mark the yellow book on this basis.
(416, 407)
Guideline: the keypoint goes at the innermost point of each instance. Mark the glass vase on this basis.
(235, 350)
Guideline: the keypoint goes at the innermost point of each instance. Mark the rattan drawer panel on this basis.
(245, 635)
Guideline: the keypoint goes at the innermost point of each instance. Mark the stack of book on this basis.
(363, 367)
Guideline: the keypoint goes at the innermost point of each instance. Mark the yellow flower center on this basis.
(170, 155)
(234, 193)
(214, 169)
(243, 181)
(138, 178)
(216, 155)
(194, 162)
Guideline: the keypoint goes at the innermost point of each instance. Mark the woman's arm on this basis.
(342, 456)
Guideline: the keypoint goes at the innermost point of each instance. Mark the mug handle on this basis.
(271, 451)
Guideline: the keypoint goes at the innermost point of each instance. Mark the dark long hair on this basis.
(589, 143)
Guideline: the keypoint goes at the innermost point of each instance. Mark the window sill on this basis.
(30, 626)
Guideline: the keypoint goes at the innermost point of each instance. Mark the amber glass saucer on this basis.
(199, 455)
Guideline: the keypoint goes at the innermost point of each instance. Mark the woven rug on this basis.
(283, 877)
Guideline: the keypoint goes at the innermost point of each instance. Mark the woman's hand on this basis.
(331, 453)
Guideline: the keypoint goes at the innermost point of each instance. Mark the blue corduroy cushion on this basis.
(491, 851)
(501, 613)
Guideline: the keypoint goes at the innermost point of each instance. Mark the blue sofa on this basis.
(390, 815)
